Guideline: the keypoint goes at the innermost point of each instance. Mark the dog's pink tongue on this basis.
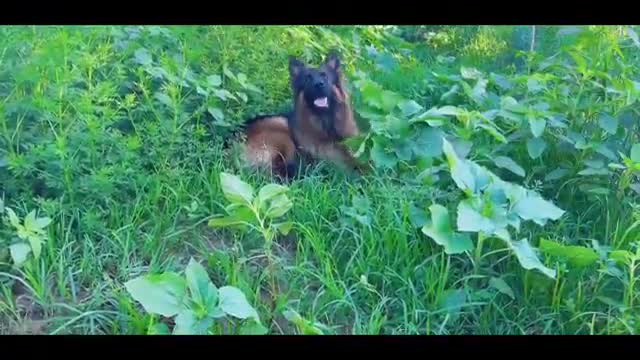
(322, 102)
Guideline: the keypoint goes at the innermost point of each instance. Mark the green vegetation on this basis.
(503, 200)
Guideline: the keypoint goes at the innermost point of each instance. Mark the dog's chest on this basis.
(313, 133)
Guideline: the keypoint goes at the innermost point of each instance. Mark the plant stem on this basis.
(533, 38)
(478, 253)
(268, 242)
(268, 245)
(632, 283)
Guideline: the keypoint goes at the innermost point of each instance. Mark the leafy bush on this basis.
(194, 301)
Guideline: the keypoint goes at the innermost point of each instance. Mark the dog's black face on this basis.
(316, 84)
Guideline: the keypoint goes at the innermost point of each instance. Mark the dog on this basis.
(321, 119)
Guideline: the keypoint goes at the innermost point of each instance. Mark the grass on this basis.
(122, 150)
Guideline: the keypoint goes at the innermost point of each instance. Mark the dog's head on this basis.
(319, 86)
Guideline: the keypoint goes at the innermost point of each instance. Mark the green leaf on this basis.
(142, 56)
(381, 158)
(242, 78)
(253, 88)
(234, 303)
(593, 171)
(371, 93)
(35, 225)
(226, 221)
(389, 100)
(217, 114)
(270, 191)
(417, 216)
(635, 155)
(42, 222)
(479, 91)
(594, 163)
(13, 218)
(608, 123)
(569, 30)
(579, 141)
(621, 256)
(512, 105)
(453, 300)
(284, 227)
(427, 142)
(444, 111)
(470, 73)
(616, 304)
(361, 203)
(242, 96)
(187, 323)
(158, 329)
(363, 219)
(439, 229)
(508, 163)
(460, 170)
(397, 127)
(279, 206)
(493, 131)
(164, 98)
(214, 80)
(236, 190)
(202, 91)
(19, 253)
(534, 86)
(436, 116)
(634, 37)
(535, 147)
(36, 245)
(606, 152)
(578, 256)
(202, 290)
(303, 325)
(556, 174)
(292, 316)
(403, 148)
(471, 220)
(227, 72)
(158, 294)
(409, 107)
(535, 208)
(537, 125)
(528, 259)
(30, 220)
(223, 94)
(502, 81)
(501, 286)
(253, 328)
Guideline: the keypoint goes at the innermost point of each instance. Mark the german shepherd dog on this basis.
(321, 119)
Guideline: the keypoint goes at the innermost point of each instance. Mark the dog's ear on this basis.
(295, 67)
(333, 61)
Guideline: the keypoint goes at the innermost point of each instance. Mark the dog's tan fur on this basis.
(269, 144)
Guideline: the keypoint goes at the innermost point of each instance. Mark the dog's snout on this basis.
(319, 84)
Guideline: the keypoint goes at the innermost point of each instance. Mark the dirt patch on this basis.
(30, 314)
(215, 240)
(287, 248)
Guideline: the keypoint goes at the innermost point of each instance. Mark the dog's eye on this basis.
(324, 75)
(308, 78)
